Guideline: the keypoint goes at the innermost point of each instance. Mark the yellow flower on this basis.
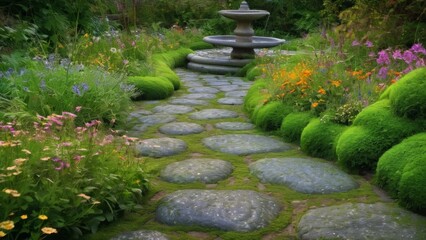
(49, 230)
(2, 234)
(26, 151)
(23, 217)
(336, 83)
(7, 225)
(84, 196)
(12, 192)
(86, 35)
(42, 217)
(315, 104)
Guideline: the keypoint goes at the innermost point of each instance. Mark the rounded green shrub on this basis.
(151, 88)
(162, 70)
(255, 96)
(270, 116)
(408, 95)
(319, 138)
(401, 171)
(293, 125)
(375, 130)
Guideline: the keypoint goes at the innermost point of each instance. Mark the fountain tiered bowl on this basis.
(241, 45)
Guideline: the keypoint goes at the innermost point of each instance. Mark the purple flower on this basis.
(408, 56)
(369, 44)
(418, 48)
(372, 54)
(383, 73)
(383, 58)
(85, 87)
(420, 62)
(397, 54)
(355, 43)
(76, 90)
(407, 70)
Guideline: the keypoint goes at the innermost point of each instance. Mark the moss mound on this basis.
(255, 96)
(198, 45)
(375, 130)
(270, 116)
(401, 171)
(319, 138)
(151, 88)
(162, 70)
(293, 125)
(408, 95)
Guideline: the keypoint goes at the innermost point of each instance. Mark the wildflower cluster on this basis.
(82, 165)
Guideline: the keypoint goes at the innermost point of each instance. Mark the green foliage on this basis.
(319, 138)
(58, 178)
(375, 130)
(199, 45)
(293, 125)
(400, 171)
(408, 95)
(346, 113)
(51, 88)
(151, 88)
(270, 116)
(255, 96)
(253, 72)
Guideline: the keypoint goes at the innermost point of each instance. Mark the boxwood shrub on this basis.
(151, 88)
(293, 125)
(255, 96)
(270, 116)
(401, 171)
(319, 138)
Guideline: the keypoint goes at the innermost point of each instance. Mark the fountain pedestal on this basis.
(242, 43)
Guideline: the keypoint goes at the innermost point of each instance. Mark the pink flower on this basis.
(408, 56)
(418, 48)
(71, 115)
(78, 108)
(369, 44)
(420, 62)
(383, 58)
(355, 43)
(397, 54)
(383, 73)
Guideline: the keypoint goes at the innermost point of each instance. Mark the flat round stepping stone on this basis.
(197, 170)
(234, 126)
(218, 83)
(200, 96)
(141, 235)
(362, 221)
(173, 109)
(203, 90)
(181, 128)
(213, 114)
(139, 113)
(160, 147)
(239, 210)
(236, 94)
(229, 88)
(231, 101)
(244, 144)
(184, 101)
(156, 119)
(303, 175)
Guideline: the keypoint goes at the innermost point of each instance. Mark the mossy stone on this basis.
(151, 88)
(408, 95)
(375, 130)
(293, 125)
(270, 116)
(319, 138)
(401, 171)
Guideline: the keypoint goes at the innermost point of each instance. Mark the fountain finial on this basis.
(244, 6)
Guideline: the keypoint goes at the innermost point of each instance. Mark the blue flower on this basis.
(76, 90)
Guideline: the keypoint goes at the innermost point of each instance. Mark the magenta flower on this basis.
(383, 72)
(355, 43)
(408, 56)
(372, 54)
(420, 62)
(383, 58)
(397, 54)
(418, 48)
(369, 44)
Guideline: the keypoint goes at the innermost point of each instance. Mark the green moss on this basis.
(408, 95)
(151, 88)
(198, 45)
(293, 125)
(162, 70)
(319, 138)
(255, 96)
(270, 116)
(401, 171)
(379, 129)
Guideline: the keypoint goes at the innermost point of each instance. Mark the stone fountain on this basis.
(243, 43)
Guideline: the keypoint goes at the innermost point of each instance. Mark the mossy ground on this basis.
(294, 204)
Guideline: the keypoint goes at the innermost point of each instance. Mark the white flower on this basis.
(113, 50)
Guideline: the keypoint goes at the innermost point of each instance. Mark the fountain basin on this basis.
(231, 41)
(244, 15)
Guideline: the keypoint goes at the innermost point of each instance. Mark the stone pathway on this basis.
(215, 176)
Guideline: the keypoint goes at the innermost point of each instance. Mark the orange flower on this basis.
(322, 91)
(314, 105)
(336, 83)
